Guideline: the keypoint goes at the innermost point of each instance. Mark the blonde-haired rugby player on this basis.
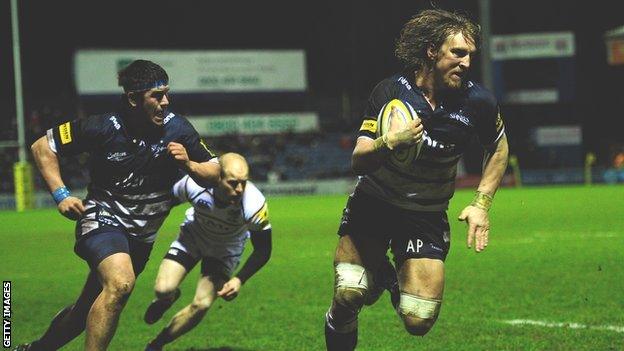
(215, 231)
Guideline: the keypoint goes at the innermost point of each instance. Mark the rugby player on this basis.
(404, 207)
(215, 231)
(135, 155)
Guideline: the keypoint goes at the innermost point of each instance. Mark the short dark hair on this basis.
(431, 28)
(142, 75)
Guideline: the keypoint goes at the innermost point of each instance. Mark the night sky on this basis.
(349, 45)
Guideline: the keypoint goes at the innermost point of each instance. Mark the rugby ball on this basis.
(404, 156)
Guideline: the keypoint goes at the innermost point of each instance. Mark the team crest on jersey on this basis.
(157, 149)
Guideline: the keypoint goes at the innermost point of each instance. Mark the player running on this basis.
(135, 155)
(214, 232)
(404, 206)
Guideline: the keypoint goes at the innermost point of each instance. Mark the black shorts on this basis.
(105, 241)
(210, 266)
(410, 234)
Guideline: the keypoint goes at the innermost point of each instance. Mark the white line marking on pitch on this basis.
(615, 328)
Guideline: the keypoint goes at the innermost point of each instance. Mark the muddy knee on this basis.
(351, 286)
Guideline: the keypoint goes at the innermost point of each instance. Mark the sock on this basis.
(162, 338)
(344, 340)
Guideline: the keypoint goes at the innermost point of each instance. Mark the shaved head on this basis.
(234, 176)
(233, 164)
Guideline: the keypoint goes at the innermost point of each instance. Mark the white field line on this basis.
(615, 328)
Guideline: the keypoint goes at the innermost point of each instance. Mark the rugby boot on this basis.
(158, 307)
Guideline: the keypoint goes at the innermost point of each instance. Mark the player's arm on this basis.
(205, 173)
(369, 154)
(476, 214)
(48, 164)
(261, 241)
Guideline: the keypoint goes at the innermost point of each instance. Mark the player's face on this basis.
(453, 61)
(155, 102)
(232, 186)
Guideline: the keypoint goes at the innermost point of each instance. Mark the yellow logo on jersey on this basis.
(262, 216)
(369, 125)
(65, 133)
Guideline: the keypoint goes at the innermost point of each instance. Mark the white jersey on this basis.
(209, 223)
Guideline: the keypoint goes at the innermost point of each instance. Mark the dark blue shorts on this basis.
(410, 234)
(210, 266)
(105, 241)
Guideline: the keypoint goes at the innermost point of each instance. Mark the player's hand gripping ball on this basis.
(405, 124)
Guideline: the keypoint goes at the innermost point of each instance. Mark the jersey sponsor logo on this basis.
(131, 181)
(435, 144)
(459, 117)
(65, 133)
(168, 118)
(369, 126)
(117, 156)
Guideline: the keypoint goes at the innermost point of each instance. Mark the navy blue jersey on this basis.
(131, 179)
(429, 181)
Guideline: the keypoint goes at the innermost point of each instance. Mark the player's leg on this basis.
(111, 252)
(420, 248)
(117, 278)
(361, 249)
(174, 267)
(422, 285)
(189, 316)
(70, 322)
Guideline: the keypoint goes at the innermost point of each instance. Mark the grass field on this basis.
(556, 255)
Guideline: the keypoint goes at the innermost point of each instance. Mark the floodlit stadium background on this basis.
(552, 277)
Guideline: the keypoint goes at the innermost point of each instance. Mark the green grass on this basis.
(555, 255)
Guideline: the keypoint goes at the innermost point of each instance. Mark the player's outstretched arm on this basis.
(261, 242)
(368, 155)
(48, 164)
(476, 214)
(206, 173)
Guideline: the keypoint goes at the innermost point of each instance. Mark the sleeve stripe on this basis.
(500, 135)
(51, 142)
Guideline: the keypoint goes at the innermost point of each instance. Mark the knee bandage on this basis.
(420, 307)
(352, 282)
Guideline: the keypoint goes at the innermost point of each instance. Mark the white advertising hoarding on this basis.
(558, 135)
(235, 71)
(261, 123)
(532, 46)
